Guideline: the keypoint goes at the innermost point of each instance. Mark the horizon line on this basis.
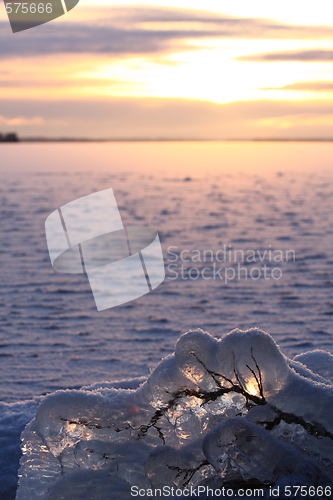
(170, 139)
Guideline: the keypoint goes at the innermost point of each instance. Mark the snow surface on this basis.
(13, 419)
(230, 411)
(320, 362)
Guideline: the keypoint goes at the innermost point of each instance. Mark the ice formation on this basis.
(233, 411)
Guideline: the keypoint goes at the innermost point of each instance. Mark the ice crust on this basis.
(230, 411)
(320, 362)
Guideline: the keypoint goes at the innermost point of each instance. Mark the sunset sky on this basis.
(172, 69)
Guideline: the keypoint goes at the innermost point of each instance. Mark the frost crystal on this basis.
(219, 412)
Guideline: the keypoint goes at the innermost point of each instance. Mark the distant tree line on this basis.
(10, 137)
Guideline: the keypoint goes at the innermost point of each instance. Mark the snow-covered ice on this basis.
(231, 411)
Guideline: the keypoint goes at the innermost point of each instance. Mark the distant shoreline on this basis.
(72, 139)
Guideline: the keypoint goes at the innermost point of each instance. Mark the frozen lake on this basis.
(203, 198)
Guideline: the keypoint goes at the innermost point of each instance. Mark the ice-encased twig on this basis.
(108, 440)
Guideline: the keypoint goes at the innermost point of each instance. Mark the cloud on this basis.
(128, 31)
(315, 55)
(21, 120)
(325, 86)
(170, 118)
(298, 120)
(39, 82)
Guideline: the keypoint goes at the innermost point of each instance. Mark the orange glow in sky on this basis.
(218, 52)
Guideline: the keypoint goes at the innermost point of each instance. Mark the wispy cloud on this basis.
(306, 86)
(312, 55)
(21, 120)
(118, 72)
(144, 30)
(169, 118)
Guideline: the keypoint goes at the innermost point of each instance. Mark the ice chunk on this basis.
(196, 356)
(253, 361)
(84, 484)
(170, 467)
(230, 410)
(167, 381)
(242, 451)
(46, 468)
